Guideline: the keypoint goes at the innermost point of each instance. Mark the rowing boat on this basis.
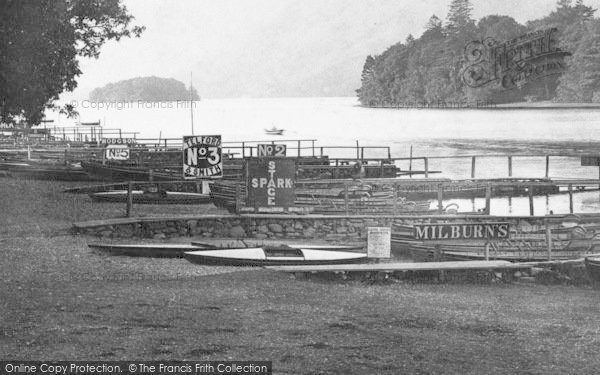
(145, 250)
(163, 197)
(272, 256)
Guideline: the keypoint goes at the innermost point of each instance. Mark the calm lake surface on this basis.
(531, 133)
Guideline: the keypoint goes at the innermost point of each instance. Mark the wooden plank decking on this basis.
(392, 267)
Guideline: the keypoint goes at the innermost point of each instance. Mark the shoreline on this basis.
(546, 105)
(65, 302)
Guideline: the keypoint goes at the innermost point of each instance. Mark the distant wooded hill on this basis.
(429, 69)
(144, 88)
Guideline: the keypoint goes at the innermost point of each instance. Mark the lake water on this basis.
(430, 132)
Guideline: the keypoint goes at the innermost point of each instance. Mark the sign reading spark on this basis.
(271, 183)
(202, 156)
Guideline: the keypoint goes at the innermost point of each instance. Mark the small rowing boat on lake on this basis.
(274, 131)
(272, 256)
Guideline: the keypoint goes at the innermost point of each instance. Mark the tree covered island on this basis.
(493, 60)
(152, 89)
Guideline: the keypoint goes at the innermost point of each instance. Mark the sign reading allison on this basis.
(202, 156)
(462, 231)
(271, 183)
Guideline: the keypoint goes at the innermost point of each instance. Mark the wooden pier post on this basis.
(321, 152)
(313, 148)
(362, 153)
(549, 239)
(346, 199)
(395, 188)
(547, 166)
(488, 197)
(129, 199)
(357, 150)
(531, 200)
(510, 166)
(440, 195)
(473, 167)
(426, 162)
(487, 251)
(571, 198)
(410, 162)
(243, 150)
(299, 145)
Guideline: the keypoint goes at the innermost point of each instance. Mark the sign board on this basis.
(379, 240)
(202, 157)
(462, 231)
(271, 184)
(266, 150)
(118, 141)
(590, 161)
(117, 152)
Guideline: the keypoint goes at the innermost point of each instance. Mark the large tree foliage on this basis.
(40, 42)
(428, 69)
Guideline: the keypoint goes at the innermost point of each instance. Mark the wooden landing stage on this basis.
(498, 265)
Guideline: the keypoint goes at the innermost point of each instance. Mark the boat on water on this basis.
(145, 250)
(265, 256)
(147, 197)
(592, 264)
(274, 131)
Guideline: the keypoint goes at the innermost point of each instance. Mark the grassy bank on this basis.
(60, 301)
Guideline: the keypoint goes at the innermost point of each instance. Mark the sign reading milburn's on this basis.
(202, 156)
(462, 231)
(513, 63)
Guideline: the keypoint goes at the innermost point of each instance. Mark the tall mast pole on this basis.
(191, 104)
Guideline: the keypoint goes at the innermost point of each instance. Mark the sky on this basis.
(249, 48)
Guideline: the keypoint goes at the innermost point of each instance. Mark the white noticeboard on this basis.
(379, 240)
(117, 152)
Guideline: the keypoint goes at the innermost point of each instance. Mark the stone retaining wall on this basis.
(274, 226)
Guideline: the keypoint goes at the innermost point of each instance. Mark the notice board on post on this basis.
(271, 184)
(379, 242)
(202, 157)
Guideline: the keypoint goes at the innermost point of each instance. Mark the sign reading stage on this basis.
(202, 156)
(270, 150)
(462, 231)
(271, 183)
(117, 152)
